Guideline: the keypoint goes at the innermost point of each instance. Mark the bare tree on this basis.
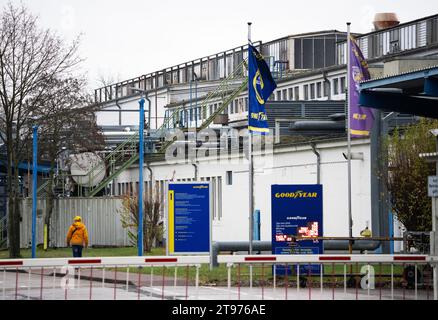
(66, 118)
(30, 59)
(152, 224)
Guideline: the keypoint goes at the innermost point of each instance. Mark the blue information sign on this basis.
(189, 218)
(297, 212)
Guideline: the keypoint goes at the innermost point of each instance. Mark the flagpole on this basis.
(350, 218)
(250, 159)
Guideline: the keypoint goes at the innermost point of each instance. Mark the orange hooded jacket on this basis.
(77, 235)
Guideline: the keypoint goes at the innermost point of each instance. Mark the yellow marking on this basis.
(171, 217)
(360, 132)
(258, 129)
(45, 236)
(262, 85)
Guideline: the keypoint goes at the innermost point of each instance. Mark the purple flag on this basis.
(361, 118)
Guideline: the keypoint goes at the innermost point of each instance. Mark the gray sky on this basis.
(123, 39)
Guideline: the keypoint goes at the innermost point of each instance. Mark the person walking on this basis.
(77, 237)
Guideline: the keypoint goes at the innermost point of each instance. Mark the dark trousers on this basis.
(77, 251)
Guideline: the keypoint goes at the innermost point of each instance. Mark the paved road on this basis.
(125, 288)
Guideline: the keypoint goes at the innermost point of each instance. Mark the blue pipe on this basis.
(34, 188)
(140, 180)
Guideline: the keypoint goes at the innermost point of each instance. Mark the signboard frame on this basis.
(316, 213)
(210, 216)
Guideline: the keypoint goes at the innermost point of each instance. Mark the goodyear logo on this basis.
(200, 187)
(296, 194)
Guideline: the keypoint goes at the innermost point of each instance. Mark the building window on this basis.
(236, 106)
(312, 91)
(306, 92)
(343, 85)
(291, 94)
(229, 178)
(284, 94)
(297, 93)
(246, 104)
(336, 86)
(213, 187)
(326, 88)
(219, 197)
(279, 95)
(319, 90)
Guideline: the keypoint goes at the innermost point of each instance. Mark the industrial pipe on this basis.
(318, 162)
(335, 245)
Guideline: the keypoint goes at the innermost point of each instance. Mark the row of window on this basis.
(310, 91)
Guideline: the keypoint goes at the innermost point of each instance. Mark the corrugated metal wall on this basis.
(100, 215)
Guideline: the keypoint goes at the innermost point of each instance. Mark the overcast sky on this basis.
(123, 39)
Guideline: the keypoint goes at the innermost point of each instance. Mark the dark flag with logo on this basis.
(261, 85)
(361, 118)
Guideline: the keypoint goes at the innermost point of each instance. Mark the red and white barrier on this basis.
(106, 261)
(320, 259)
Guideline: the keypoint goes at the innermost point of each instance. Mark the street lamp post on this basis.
(140, 167)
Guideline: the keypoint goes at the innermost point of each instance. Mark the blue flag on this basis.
(261, 85)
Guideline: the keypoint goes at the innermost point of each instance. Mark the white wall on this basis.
(294, 165)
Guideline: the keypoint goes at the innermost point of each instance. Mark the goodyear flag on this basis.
(361, 118)
(261, 85)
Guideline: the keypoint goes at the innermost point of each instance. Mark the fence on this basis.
(100, 215)
(256, 277)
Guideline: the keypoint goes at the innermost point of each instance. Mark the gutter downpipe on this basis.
(327, 81)
(196, 171)
(318, 162)
(151, 179)
(120, 111)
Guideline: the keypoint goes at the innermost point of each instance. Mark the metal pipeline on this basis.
(318, 162)
(120, 112)
(151, 181)
(196, 171)
(335, 245)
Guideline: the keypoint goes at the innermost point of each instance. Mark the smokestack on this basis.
(385, 20)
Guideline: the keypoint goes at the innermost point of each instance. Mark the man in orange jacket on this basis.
(77, 237)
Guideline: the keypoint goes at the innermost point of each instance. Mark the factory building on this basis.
(306, 113)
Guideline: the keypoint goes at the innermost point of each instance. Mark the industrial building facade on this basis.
(309, 70)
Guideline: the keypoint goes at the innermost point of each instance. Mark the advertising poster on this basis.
(189, 218)
(297, 212)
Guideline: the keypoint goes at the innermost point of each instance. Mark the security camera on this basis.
(353, 155)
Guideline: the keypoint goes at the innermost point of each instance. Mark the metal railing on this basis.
(255, 277)
(330, 277)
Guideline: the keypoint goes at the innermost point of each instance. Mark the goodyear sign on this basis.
(189, 218)
(297, 212)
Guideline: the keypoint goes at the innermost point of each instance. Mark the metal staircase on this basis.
(126, 154)
(226, 92)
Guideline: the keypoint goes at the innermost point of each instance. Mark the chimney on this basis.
(385, 20)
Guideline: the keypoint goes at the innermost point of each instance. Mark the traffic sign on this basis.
(432, 186)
